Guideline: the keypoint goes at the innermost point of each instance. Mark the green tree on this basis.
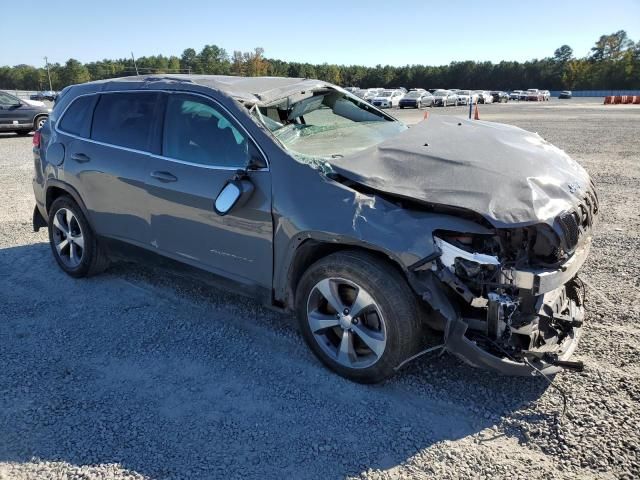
(610, 47)
(74, 72)
(563, 54)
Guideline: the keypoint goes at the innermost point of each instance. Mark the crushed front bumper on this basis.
(541, 281)
(549, 358)
(538, 335)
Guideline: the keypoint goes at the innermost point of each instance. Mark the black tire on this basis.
(39, 121)
(400, 309)
(23, 133)
(93, 258)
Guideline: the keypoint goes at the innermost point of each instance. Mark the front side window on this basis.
(77, 118)
(124, 119)
(197, 132)
(7, 100)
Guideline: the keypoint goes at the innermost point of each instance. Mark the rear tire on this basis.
(384, 330)
(73, 243)
(23, 133)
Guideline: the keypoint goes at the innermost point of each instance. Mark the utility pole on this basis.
(134, 63)
(46, 61)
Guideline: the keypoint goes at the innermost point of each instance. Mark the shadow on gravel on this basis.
(170, 378)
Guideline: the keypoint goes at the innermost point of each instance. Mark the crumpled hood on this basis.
(506, 174)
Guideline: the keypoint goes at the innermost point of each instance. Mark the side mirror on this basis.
(235, 193)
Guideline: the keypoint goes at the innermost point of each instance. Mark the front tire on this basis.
(358, 315)
(73, 243)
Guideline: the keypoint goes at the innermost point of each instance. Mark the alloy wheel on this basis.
(346, 322)
(68, 237)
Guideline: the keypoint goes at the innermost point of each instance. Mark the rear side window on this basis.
(124, 119)
(195, 131)
(77, 119)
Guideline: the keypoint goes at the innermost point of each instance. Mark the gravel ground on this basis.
(142, 374)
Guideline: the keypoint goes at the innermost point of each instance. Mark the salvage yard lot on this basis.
(142, 374)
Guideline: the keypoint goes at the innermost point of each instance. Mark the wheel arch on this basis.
(56, 189)
(309, 251)
(38, 117)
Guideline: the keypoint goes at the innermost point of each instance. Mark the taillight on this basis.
(36, 138)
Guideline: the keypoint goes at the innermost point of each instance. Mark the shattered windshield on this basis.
(327, 124)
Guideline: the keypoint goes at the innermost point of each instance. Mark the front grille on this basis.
(573, 224)
(570, 225)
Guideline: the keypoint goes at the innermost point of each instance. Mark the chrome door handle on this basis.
(80, 157)
(164, 176)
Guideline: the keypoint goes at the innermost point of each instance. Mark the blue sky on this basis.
(343, 32)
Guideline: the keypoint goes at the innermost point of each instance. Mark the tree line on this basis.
(613, 63)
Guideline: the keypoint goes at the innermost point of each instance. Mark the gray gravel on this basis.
(142, 374)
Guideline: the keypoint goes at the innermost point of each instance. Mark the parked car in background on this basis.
(533, 95)
(515, 95)
(336, 211)
(387, 99)
(46, 95)
(417, 99)
(371, 93)
(565, 94)
(21, 116)
(499, 96)
(463, 97)
(484, 96)
(546, 95)
(444, 98)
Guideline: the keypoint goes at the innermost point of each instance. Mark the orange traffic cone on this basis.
(476, 113)
(426, 116)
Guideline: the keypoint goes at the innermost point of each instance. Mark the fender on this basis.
(72, 192)
(405, 237)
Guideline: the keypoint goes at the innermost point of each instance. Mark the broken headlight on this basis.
(458, 254)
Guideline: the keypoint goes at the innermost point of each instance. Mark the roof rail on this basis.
(156, 78)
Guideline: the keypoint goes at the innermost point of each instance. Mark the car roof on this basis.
(248, 90)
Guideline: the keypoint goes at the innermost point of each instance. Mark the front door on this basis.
(14, 113)
(202, 148)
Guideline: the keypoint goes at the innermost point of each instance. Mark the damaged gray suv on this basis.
(378, 236)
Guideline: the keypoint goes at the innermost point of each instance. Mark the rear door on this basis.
(202, 148)
(109, 168)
